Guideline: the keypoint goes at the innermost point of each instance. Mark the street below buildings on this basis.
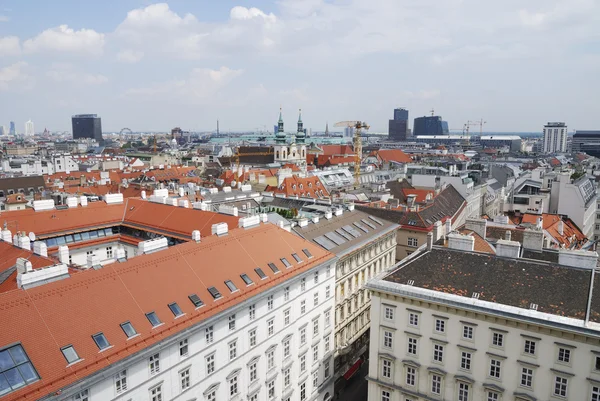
(354, 389)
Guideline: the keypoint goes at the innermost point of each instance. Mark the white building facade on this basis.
(29, 128)
(555, 138)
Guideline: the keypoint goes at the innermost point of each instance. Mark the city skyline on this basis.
(159, 65)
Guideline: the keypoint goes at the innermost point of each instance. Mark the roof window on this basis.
(246, 279)
(153, 318)
(296, 257)
(16, 369)
(286, 263)
(196, 300)
(101, 341)
(231, 286)
(307, 253)
(260, 273)
(215, 293)
(274, 268)
(175, 309)
(69, 353)
(128, 329)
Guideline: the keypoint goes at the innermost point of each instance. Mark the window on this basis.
(210, 364)
(303, 336)
(302, 363)
(232, 322)
(183, 348)
(184, 379)
(465, 360)
(286, 294)
(286, 347)
(385, 395)
(252, 337)
(271, 326)
(463, 391)
(286, 378)
(83, 395)
(315, 350)
(153, 319)
(175, 309)
(326, 370)
(413, 242)
(388, 337)
(438, 353)
(232, 350)
(231, 286)
(252, 312)
(68, 352)
(410, 376)
(564, 355)
(495, 368)
(253, 372)
(315, 380)
(327, 291)
(440, 325)
(327, 344)
(286, 263)
(526, 377)
(286, 317)
(195, 299)
(560, 386)
(436, 384)
(315, 327)
(388, 313)
(316, 277)
(271, 389)
(307, 253)
(498, 339)
(303, 307)
(316, 299)
(529, 347)
(327, 318)
(273, 268)
(270, 302)
(296, 257)
(109, 252)
(246, 279)
(101, 341)
(468, 332)
(270, 359)
(233, 386)
(328, 271)
(260, 273)
(16, 370)
(597, 363)
(154, 364)
(386, 366)
(595, 393)
(412, 345)
(413, 319)
(215, 293)
(492, 396)
(208, 332)
(303, 284)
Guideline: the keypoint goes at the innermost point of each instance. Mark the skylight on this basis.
(296, 257)
(16, 369)
(175, 309)
(286, 263)
(128, 329)
(101, 341)
(69, 353)
(153, 318)
(368, 223)
(260, 273)
(375, 220)
(214, 292)
(196, 300)
(273, 267)
(246, 279)
(307, 253)
(231, 286)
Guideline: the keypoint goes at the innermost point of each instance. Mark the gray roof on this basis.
(22, 182)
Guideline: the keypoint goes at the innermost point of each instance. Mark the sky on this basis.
(153, 66)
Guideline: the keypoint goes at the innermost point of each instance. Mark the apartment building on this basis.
(246, 314)
(365, 247)
(455, 324)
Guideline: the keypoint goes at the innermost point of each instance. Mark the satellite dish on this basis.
(31, 236)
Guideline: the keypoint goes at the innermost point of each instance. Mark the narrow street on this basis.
(356, 388)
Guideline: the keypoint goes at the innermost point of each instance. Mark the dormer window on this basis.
(301, 186)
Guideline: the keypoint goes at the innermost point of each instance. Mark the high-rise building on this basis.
(555, 138)
(13, 131)
(87, 126)
(348, 132)
(29, 129)
(3, 130)
(587, 142)
(430, 125)
(398, 127)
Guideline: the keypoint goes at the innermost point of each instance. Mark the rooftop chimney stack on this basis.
(477, 225)
(533, 240)
(6, 235)
(448, 226)
(507, 235)
(460, 242)
(40, 248)
(83, 200)
(561, 227)
(429, 241)
(508, 249)
(196, 236)
(437, 231)
(23, 266)
(63, 254)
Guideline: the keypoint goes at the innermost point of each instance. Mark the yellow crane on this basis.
(358, 127)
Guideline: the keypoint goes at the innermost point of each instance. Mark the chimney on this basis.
(578, 258)
(351, 207)
(508, 249)
(303, 222)
(220, 229)
(437, 231)
(448, 226)
(143, 194)
(561, 227)
(24, 242)
(152, 245)
(460, 242)
(539, 223)
(410, 200)
(339, 211)
(429, 241)
(507, 235)
(477, 225)
(533, 240)
(40, 248)
(315, 219)
(6, 236)
(23, 266)
(328, 214)
(71, 202)
(264, 218)
(120, 253)
(92, 260)
(28, 277)
(251, 221)
(83, 200)
(196, 235)
(16, 240)
(63, 254)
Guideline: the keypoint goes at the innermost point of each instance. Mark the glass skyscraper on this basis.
(87, 126)
(430, 125)
(398, 127)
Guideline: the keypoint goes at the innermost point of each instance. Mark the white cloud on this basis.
(129, 56)
(67, 73)
(9, 46)
(243, 13)
(65, 39)
(4, 18)
(15, 76)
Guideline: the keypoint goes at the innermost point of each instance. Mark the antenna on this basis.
(432, 112)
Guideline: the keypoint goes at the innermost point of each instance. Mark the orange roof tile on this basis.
(15, 199)
(396, 155)
(421, 194)
(70, 311)
(308, 187)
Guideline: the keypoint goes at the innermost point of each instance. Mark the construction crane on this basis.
(480, 123)
(358, 127)
(237, 155)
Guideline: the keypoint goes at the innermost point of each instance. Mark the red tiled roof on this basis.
(421, 194)
(15, 199)
(70, 311)
(337, 150)
(8, 258)
(291, 186)
(396, 155)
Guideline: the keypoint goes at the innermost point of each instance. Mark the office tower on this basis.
(13, 131)
(3, 130)
(430, 125)
(348, 132)
(29, 130)
(87, 126)
(555, 138)
(398, 127)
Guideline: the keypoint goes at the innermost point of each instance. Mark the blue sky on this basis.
(153, 66)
